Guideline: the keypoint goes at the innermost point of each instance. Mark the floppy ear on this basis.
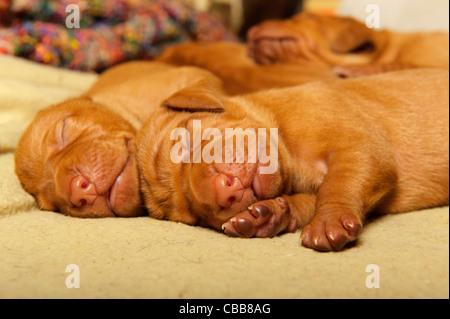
(354, 38)
(200, 97)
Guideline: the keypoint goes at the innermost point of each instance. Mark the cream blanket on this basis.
(406, 256)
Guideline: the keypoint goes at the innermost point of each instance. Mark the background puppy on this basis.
(310, 39)
(346, 148)
(78, 157)
(239, 73)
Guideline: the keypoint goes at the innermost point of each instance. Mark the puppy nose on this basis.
(228, 190)
(82, 192)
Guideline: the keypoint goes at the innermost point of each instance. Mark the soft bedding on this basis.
(41, 253)
(147, 258)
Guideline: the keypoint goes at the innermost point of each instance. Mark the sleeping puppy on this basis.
(78, 157)
(326, 155)
(310, 39)
(239, 73)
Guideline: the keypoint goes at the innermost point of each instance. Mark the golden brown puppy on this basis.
(239, 73)
(345, 148)
(311, 39)
(78, 157)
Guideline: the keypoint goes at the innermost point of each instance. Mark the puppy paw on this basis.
(272, 50)
(331, 232)
(263, 219)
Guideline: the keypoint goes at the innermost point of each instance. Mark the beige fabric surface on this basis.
(146, 258)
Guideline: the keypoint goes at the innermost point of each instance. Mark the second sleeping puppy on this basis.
(345, 149)
(240, 74)
(345, 43)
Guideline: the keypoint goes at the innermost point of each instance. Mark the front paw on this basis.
(263, 219)
(331, 232)
(271, 50)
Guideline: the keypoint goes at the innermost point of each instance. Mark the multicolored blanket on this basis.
(94, 34)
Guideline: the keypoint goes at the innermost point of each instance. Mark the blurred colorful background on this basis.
(114, 31)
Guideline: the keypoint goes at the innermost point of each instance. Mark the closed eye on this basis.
(365, 47)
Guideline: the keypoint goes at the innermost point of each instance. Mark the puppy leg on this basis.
(352, 187)
(271, 217)
(354, 71)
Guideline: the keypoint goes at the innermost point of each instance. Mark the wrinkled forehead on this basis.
(155, 132)
(176, 136)
(55, 127)
(88, 112)
(79, 116)
(166, 127)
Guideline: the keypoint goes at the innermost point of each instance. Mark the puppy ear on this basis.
(354, 38)
(200, 97)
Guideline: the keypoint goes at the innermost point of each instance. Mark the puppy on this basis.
(343, 149)
(310, 39)
(240, 74)
(78, 157)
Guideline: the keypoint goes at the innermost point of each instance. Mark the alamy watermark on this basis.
(73, 279)
(373, 17)
(73, 19)
(373, 280)
(186, 146)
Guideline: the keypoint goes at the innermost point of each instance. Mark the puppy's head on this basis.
(78, 158)
(201, 158)
(313, 39)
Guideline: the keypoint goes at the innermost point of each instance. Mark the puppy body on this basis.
(239, 73)
(310, 39)
(346, 148)
(78, 157)
(136, 89)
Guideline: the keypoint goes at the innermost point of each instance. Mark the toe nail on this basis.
(245, 227)
(281, 201)
(349, 224)
(316, 240)
(262, 211)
